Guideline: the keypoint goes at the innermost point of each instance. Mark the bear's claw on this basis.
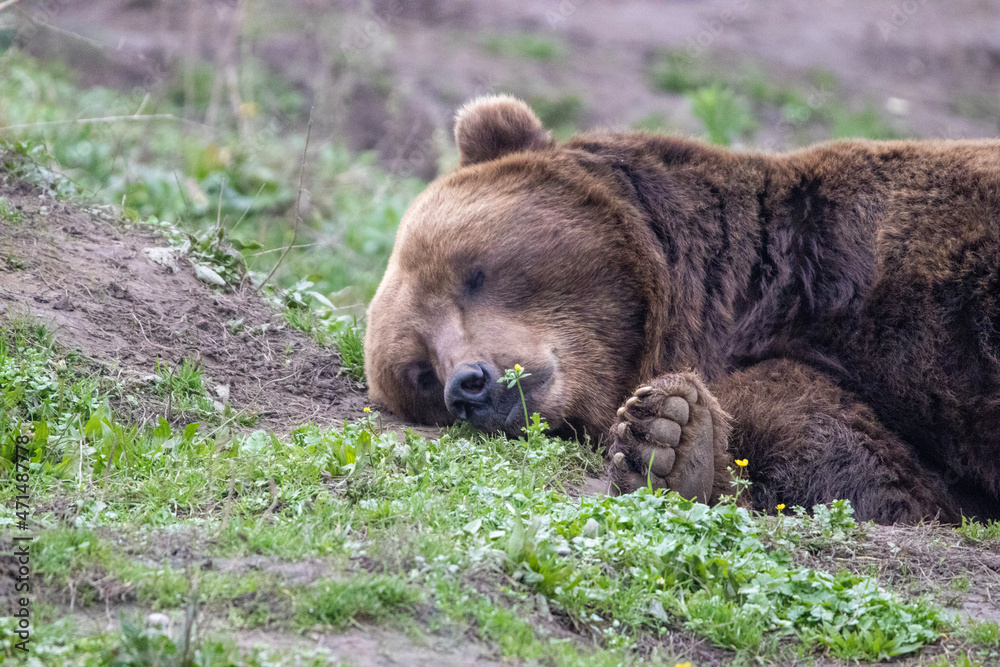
(665, 437)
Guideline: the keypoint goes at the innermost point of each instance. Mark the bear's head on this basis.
(529, 254)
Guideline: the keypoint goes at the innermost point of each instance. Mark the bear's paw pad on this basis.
(663, 436)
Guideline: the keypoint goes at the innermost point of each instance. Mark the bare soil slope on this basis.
(84, 274)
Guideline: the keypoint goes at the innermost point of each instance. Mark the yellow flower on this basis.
(367, 409)
(683, 664)
(742, 462)
(517, 367)
(248, 109)
(780, 506)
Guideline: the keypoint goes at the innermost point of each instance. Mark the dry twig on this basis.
(298, 201)
(229, 497)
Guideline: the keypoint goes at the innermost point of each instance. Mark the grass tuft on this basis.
(530, 46)
(974, 531)
(367, 599)
(726, 117)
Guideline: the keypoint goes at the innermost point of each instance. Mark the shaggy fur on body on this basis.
(832, 314)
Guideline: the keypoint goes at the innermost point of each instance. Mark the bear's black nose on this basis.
(468, 390)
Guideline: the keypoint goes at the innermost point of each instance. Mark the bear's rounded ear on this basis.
(490, 127)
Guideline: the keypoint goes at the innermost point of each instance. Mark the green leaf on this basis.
(41, 433)
(13, 396)
(190, 430)
(515, 543)
(245, 246)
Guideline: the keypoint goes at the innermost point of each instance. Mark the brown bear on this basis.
(831, 314)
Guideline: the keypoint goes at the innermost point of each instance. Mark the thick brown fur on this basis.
(841, 303)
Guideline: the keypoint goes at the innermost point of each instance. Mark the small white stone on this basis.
(158, 620)
(207, 275)
(897, 106)
(222, 391)
(163, 256)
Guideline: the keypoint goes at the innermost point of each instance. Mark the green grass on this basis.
(975, 531)
(369, 599)
(135, 645)
(560, 114)
(678, 72)
(963, 660)
(183, 388)
(729, 99)
(984, 633)
(438, 519)
(8, 213)
(330, 324)
(525, 45)
(978, 107)
(725, 116)
(349, 340)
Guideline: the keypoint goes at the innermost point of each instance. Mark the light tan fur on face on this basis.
(508, 218)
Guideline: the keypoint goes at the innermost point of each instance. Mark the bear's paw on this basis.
(665, 436)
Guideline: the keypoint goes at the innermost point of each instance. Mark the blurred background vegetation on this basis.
(196, 112)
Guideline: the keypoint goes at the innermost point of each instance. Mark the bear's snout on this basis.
(474, 394)
(467, 394)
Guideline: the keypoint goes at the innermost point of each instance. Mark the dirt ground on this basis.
(97, 288)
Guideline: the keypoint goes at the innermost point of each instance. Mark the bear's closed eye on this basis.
(422, 376)
(474, 282)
